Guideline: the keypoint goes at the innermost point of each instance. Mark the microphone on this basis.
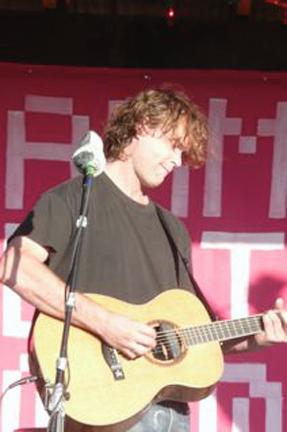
(89, 158)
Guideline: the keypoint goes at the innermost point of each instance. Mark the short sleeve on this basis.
(48, 224)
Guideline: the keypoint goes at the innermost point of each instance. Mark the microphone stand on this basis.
(58, 395)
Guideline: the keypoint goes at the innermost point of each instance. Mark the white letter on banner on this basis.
(219, 126)
(11, 404)
(240, 245)
(13, 324)
(253, 374)
(208, 414)
(180, 191)
(278, 129)
(240, 414)
(18, 150)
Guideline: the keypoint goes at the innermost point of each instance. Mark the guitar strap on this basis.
(178, 256)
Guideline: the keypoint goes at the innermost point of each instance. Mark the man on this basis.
(132, 249)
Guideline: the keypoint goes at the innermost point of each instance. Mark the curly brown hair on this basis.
(157, 108)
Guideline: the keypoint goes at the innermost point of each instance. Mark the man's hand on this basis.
(131, 338)
(275, 326)
(274, 331)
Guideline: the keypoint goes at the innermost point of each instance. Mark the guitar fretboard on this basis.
(215, 331)
(222, 330)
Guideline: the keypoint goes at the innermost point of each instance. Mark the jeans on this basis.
(165, 417)
(162, 417)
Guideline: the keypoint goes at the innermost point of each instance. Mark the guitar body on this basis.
(96, 397)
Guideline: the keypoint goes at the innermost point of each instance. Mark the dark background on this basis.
(230, 34)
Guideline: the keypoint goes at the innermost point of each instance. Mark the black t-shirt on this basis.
(125, 251)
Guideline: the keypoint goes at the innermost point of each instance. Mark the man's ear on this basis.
(142, 129)
(128, 150)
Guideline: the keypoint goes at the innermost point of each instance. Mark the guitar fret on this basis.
(198, 335)
(241, 326)
(226, 330)
(233, 328)
(195, 336)
(185, 336)
(203, 334)
(215, 332)
(210, 333)
(206, 335)
(223, 330)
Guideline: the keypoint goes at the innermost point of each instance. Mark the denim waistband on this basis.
(180, 407)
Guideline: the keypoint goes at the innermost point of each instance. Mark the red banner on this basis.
(235, 210)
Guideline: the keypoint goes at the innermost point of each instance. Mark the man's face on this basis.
(154, 155)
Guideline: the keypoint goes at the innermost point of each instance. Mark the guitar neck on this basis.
(223, 330)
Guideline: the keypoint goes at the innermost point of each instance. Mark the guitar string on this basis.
(240, 321)
(206, 334)
(190, 339)
(216, 334)
(218, 325)
(210, 327)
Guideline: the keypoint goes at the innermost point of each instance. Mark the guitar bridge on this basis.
(112, 359)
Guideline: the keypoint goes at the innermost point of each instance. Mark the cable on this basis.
(21, 381)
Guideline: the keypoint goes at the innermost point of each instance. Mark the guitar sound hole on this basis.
(169, 343)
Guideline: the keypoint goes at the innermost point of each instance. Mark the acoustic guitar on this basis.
(107, 390)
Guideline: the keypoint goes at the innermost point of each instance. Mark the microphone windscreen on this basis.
(90, 155)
